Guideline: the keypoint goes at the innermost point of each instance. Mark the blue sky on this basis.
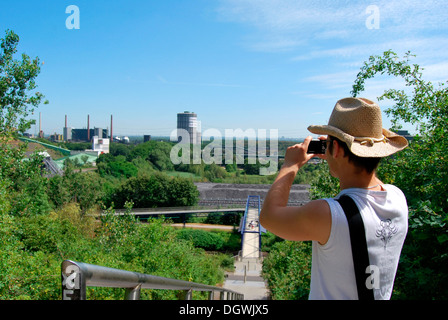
(259, 64)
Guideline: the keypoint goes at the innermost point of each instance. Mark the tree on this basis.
(426, 107)
(287, 270)
(116, 166)
(21, 182)
(156, 190)
(17, 81)
(156, 152)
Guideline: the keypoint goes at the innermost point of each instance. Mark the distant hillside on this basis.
(32, 147)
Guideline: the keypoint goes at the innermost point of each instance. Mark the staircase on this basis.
(246, 277)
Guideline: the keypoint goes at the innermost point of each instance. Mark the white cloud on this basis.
(332, 81)
(437, 72)
(424, 48)
(290, 20)
(299, 21)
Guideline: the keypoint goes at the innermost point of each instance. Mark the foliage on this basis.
(84, 188)
(116, 166)
(116, 228)
(21, 181)
(268, 239)
(202, 239)
(33, 247)
(229, 218)
(156, 190)
(154, 248)
(17, 81)
(323, 185)
(156, 152)
(287, 270)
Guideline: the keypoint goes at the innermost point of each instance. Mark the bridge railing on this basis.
(77, 276)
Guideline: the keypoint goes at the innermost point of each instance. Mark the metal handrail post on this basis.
(73, 282)
(188, 294)
(133, 293)
(245, 273)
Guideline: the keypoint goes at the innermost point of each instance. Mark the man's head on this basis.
(357, 122)
(368, 165)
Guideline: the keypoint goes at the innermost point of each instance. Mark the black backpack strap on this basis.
(359, 246)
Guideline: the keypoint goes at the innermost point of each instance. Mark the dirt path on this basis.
(202, 226)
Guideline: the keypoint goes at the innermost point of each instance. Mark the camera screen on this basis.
(317, 146)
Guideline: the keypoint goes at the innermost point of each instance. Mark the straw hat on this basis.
(358, 123)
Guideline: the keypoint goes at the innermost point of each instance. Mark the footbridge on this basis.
(251, 229)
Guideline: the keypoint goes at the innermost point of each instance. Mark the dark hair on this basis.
(367, 164)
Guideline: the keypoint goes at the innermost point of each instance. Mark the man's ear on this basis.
(338, 151)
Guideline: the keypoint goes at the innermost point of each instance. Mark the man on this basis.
(355, 142)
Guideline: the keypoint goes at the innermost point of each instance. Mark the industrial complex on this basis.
(101, 138)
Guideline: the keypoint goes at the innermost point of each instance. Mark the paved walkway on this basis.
(246, 279)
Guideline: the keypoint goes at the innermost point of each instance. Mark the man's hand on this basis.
(296, 156)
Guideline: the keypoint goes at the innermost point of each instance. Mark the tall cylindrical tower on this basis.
(189, 122)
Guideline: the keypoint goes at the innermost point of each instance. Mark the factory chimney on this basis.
(111, 129)
(41, 135)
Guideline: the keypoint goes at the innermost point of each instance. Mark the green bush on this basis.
(156, 190)
(202, 239)
(229, 219)
(232, 240)
(287, 270)
(268, 239)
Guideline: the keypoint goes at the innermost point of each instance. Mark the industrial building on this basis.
(189, 121)
(85, 135)
(146, 138)
(88, 134)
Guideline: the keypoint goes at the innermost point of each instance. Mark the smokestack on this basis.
(41, 135)
(88, 127)
(111, 128)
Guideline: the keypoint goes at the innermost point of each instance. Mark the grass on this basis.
(181, 174)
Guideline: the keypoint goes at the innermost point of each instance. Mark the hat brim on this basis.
(394, 144)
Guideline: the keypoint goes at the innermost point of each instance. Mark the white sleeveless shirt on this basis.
(385, 217)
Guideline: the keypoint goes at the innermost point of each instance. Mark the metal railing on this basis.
(77, 276)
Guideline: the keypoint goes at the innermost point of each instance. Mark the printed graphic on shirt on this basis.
(385, 231)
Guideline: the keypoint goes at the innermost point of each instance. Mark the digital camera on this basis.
(317, 147)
